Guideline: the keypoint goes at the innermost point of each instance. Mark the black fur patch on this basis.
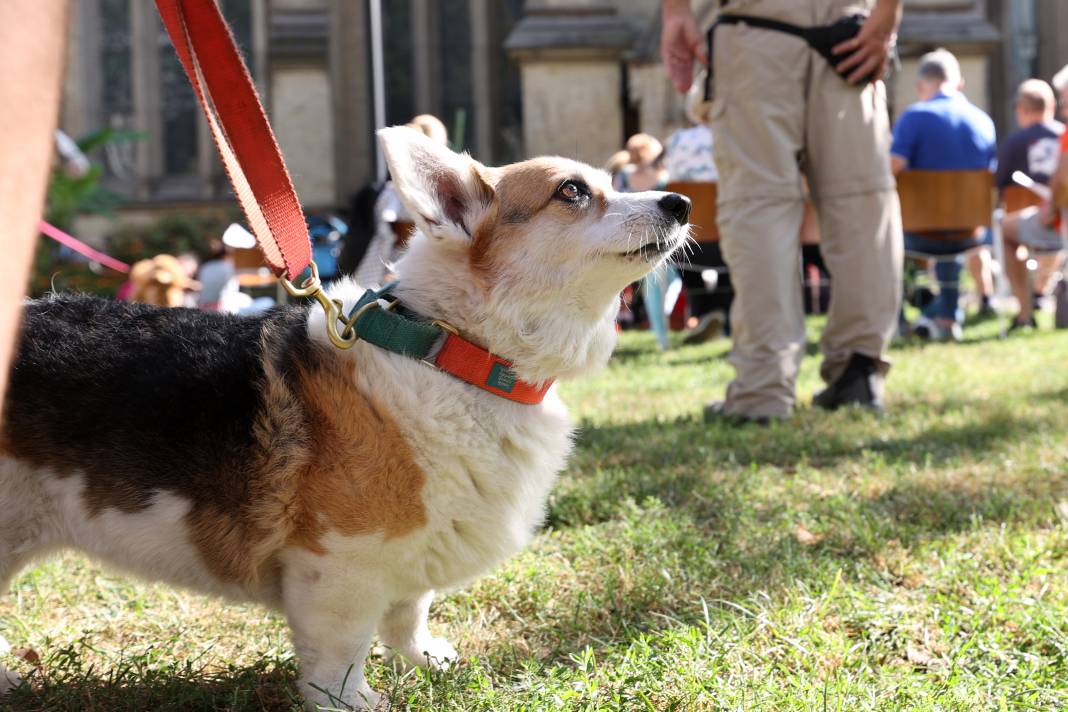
(142, 398)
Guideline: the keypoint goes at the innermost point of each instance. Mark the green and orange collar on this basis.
(378, 318)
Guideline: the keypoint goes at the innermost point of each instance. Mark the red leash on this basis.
(242, 134)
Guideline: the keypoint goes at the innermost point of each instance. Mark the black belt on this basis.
(822, 38)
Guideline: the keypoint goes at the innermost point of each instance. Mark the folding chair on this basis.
(951, 205)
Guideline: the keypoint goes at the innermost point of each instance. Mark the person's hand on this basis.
(871, 47)
(680, 43)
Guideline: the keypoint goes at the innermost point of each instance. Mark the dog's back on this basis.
(113, 408)
(125, 391)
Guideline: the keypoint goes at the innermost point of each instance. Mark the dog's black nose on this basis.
(677, 206)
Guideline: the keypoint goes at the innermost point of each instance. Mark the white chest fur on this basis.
(489, 465)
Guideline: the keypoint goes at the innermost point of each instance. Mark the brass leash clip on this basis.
(313, 287)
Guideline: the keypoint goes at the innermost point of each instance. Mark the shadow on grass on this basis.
(810, 438)
(68, 683)
(734, 532)
(684, 463)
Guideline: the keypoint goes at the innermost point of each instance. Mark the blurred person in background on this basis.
(391, 218)
(781, 108)
(615, 164)
(943, 131)
(688, 158)
(645, 171)
(1033, 149)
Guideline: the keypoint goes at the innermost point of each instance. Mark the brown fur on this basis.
(330, 460)
(363, 477)
(294, 454)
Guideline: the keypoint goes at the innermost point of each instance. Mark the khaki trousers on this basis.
(780, 112)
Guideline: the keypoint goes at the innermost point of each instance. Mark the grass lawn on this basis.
(833, 562)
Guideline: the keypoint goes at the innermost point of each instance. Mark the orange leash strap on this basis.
(241, 131)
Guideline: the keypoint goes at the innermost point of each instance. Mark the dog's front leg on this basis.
(404, 632)
(333, 621)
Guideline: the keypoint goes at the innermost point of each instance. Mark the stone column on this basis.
(302, 101)
(82, 83)
(145, 28)
(482, 13)
(1051, 21)
(426, 80)
(570, 57)
(354, 150)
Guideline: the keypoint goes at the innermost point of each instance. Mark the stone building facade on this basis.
(311, 61)
(591, 68)
(510, 78)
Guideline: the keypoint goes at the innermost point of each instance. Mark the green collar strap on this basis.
(379, 319)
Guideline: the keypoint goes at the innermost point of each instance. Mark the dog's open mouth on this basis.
(651, 250)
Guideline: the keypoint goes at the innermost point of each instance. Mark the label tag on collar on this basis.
(502, 378)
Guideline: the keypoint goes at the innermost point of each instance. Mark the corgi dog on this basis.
(249, 457)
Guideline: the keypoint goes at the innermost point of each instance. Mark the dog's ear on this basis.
(445, 192)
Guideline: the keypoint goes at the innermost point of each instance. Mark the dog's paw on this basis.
(432, 653)
(362, 700)
(320, 699)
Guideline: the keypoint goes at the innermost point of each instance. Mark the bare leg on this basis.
(1048, 265)
(979, 261)
(404, 632)
(1015, 268)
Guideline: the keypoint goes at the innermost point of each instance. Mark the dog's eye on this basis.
(572, 191)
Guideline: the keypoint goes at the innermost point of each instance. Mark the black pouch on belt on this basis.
(822, 38)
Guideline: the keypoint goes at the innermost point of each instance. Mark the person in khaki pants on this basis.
(780, 110)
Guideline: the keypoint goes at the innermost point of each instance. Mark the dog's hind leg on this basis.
(26, 520)
(404, 632)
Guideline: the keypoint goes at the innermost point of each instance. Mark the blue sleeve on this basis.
(992, 150)
(906, 136)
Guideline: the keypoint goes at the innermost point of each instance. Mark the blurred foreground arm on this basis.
(32, 39)
(680, 42)
(872, 45)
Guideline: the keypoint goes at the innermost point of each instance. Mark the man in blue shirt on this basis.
(943, 131)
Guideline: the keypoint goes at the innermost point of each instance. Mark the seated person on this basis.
(943, 131)
(645, 170)
(1034, 150)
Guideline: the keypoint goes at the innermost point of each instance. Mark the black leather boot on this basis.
(861, 384)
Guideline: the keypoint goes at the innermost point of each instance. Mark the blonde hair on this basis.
(644, 149)
(1036, 96)
(616, 161)
(431, 127)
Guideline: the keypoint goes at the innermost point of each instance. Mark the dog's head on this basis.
(528, 258)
